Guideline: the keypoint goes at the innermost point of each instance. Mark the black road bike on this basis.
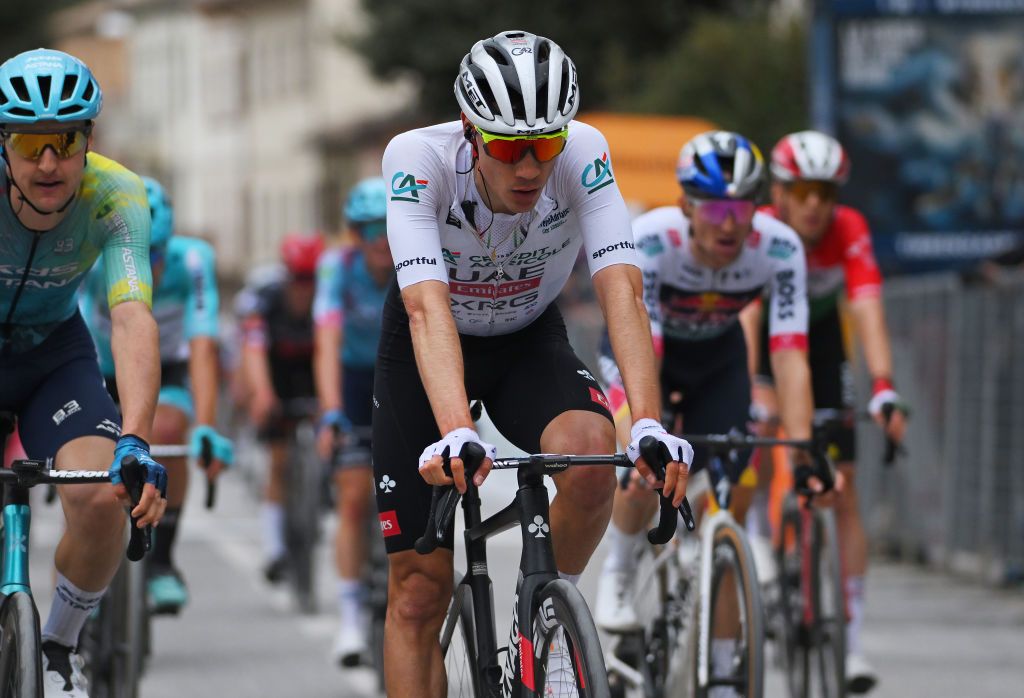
(552, 630)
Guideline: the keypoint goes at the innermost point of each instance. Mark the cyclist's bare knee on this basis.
(419, 590)
(169, 425)
(590, 488)
(92, 510)
(578, 432)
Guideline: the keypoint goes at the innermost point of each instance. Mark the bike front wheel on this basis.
(829, 631)
(566, 659)
(458, 646)
(812, 623)
(734, 585)
(302, 514)
(21, 667)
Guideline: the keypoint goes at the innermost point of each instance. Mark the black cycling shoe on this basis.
(275, 570)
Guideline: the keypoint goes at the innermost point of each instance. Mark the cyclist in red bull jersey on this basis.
(352, 283)
(703, 261)
(808, 169)
(185, 305)
(62, 207)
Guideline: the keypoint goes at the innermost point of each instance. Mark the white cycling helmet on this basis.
(517, 83)
(810, 155)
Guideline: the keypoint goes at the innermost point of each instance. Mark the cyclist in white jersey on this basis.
(486, 217)
(703, 261)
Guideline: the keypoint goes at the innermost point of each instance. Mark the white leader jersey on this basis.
(502, 279)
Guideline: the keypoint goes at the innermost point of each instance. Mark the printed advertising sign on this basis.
(929, 102)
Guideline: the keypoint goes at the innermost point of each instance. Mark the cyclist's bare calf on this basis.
(354, 487)
(852, 540)
(90, 549)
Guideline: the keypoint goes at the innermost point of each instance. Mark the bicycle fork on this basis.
(806, 563)
(537, 568)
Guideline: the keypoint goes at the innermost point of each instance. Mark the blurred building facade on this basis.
(249, 111)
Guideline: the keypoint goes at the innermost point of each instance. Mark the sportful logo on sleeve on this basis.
(597, 175)
(405, 187)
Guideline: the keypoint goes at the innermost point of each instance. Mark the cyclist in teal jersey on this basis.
(63, 206)
(351, 286)
(185, 305)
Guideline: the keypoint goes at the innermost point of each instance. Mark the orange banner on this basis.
(644, 150)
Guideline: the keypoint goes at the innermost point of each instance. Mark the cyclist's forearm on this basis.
(869, 318)
(135, 343)
(326, 366)
(435, 342)
(620, 293)
(750, 321)
(793, 384)
(203, 368)
(257, 369)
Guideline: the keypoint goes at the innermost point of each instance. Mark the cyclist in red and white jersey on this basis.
(808, 169)
(485, 219)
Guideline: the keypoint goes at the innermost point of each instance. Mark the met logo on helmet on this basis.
(405, 187)
(597, 175)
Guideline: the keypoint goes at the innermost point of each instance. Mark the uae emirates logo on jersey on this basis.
(597, 175)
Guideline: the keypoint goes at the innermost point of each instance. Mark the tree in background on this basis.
(728, 62)
(606, 38)
(745, 74)
(23, 24)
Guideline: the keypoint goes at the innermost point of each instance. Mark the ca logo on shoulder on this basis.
(597, 175)
(405, 187)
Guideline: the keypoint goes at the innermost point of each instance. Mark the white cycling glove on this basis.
(882, 394)
(454, 440)
(679, 449)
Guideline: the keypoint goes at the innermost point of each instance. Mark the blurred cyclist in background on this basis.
(703, 261)
(352, 282)
(808, 169)
(277, 336)
(185, 303)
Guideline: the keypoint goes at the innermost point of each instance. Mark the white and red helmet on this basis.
(810, 155)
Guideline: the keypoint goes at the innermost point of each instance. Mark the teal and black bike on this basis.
(20, 654)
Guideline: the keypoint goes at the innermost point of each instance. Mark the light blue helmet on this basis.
(161, 211)
(367, 201)
(720, 165)
(47, 85)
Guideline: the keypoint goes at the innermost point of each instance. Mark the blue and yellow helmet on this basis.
(720, 165)
(47, 85)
